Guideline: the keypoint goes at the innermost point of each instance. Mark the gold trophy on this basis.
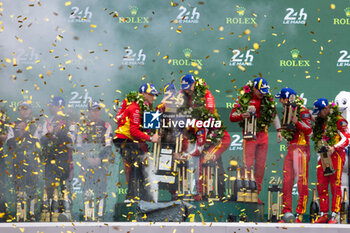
(274, 212)
(89, 205)
(326, 160)
(66, 215)
(21, 207)
(45, 209)
(250, 124)
(290, 111)
(185, 179)
(210, 180)
(156, 152)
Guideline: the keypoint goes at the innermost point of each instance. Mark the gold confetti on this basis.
(221, 28)
(29, 68)
(38, 145)
(178, 31)
(67, 3)
(21, 229)
(332, 6)
(241, 68)
(93, 26)
(256, 46)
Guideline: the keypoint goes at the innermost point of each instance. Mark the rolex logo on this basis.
(240, 10)
(133, 10)
(295, 53)
(347, 11)
(187, 52)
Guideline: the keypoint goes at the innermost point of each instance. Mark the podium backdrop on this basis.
(83, 50)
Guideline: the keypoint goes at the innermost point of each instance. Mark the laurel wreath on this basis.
(134, 96)
(200, 112)
(267, 107)
(330, 132)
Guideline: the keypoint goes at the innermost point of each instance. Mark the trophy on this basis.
(89, 205)
(210, 180)
(21, 207)
(231, 181)
(326, 160)
(290, 111)
(55, 207)
(45, 209)
(250, 124)
(66, 215)
(185, 181)
(274, 208)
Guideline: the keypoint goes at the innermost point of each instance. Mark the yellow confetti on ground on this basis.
(67, 3)
(21, 229)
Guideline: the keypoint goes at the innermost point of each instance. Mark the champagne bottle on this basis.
(45, 208)
(253, 186)
(239, 186)
(55, 207)
(246, 184)
(314, 208)
(344, 208)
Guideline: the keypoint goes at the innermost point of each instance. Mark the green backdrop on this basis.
(84, 50)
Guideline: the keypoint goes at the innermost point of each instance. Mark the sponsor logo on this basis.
(295, 62)
(243, 59)
(188, 16)
(240, 11)
(187, 61)
(237, 142)
(131, 58)
(80, 15)
(295, 17)
(344, 59)
(79, 101)
(133, 18)
(343, 21)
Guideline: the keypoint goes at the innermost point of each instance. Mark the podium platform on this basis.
(162, 227)
(201, 211)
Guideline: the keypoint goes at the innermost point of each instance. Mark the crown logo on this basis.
(187, 52)
(240, 10)
(133, 10)
(347, 11)
(295, 53)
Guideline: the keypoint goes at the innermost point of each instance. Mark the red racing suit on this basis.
(215, 150)
(296, 164)
(338, 159)
(129, 130)
(254, 150)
